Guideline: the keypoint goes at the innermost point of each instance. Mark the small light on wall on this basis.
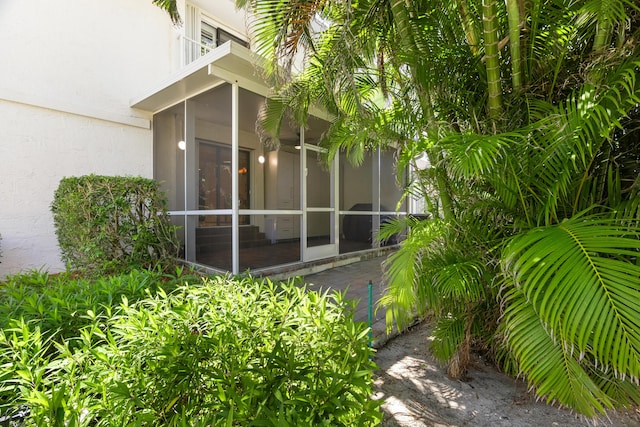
(182, 145)
(261, 159)
(297, 147)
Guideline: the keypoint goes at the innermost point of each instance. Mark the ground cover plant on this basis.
(151, 349)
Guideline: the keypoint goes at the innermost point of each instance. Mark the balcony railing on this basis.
(192, 50)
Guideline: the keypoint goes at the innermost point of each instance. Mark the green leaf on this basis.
(576, 290)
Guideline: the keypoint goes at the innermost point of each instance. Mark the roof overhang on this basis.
(229, 62)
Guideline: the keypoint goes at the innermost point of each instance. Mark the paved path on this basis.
(355, 278)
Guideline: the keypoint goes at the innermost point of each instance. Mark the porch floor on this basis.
(354, 278)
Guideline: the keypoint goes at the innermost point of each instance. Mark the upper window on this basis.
(225, 36)
(203, 34)
(208, 37)
(211, 36)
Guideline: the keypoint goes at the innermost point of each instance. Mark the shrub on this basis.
(112, 224)
(58, 304)
(223, 352)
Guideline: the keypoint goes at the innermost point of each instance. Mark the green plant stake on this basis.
(370, 313)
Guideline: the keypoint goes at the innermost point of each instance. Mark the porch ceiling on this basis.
(229, 62)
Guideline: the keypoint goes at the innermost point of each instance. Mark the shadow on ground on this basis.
(417, 392)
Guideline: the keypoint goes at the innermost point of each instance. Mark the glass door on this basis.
(214, 182)
(319, 212)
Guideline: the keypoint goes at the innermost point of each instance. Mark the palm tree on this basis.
(171, 7)
(529, 112)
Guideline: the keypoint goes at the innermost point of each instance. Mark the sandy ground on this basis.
(417, 392)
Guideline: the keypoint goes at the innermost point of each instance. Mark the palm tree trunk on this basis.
(603, 34)
(401, 19)
(491, 50)
(437, 161)
(513, 14)
(443, 188)
(469, 27)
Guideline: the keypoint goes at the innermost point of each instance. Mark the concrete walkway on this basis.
(355, 279)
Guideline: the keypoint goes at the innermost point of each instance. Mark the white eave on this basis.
(229, 62)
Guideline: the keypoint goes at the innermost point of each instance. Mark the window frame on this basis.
(221, 31)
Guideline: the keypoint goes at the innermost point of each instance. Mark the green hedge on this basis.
(110, 224)
(221, 352)
(58, 303)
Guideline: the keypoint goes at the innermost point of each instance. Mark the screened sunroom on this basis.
(241, 204)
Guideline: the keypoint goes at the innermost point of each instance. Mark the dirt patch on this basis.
(417, 392)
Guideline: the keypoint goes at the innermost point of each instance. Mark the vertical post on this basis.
(304, 193)
(191, 184)
(335, 203)
(187, 240)
(370, 313)
(235, 203)
(375, 207)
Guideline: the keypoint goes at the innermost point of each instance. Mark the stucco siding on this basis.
(69, 71)
(38, 147)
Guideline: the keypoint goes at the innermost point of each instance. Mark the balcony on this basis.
(210, 38)
(209, 67)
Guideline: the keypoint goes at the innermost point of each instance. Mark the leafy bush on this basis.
(223, 352)
(112, 224)
(41, 315)
(58, 304)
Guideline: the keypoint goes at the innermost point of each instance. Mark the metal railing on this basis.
(192, 49)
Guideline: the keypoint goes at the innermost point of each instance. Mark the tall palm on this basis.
(529, 112)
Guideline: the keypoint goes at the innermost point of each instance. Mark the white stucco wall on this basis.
(93, 55)
(38, 148)
(69, 70)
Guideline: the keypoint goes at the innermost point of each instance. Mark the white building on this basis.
(114, 88)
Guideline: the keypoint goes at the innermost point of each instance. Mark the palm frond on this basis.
(474, 155)
(171, 7)
(547, 363)
(409, 292)
(461, 281)
(448, 335)
(580, 279)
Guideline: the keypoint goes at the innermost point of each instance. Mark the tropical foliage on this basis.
(171, 7)
(178, 350)
(529, 113)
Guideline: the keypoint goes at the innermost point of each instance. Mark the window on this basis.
(207, 37)
(203, 34)
(224, 36)
(212, 37)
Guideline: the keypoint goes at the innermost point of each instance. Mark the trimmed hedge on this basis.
(109, 224)
(225, 351)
